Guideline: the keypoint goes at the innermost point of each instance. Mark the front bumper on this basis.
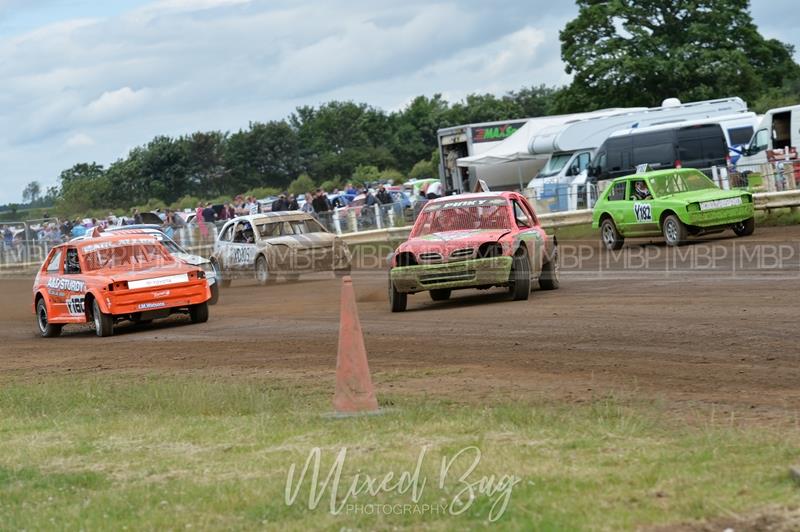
(724, 216)
(460, 274)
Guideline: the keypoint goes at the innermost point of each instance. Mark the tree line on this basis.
(621, 53)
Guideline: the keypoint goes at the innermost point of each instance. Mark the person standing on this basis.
(308, 205)
(383, 196)
(198, 218)
(320, 202)
(291, 203)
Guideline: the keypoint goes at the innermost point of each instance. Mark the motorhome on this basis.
(778, 129)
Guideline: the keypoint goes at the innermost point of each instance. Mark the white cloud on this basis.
(115, 104)
(79, 140)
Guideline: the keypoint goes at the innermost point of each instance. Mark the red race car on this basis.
(473, 241)
(109, 278)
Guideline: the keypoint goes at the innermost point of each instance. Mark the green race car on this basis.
(675, 202)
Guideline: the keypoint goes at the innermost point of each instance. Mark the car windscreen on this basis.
(132, 256)
(679, 182)
(463, 215)
(554, 165)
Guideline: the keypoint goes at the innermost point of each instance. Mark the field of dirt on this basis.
(709, 326)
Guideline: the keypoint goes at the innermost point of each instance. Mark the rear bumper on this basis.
(159, 298)
(461, 274)
(716, 217)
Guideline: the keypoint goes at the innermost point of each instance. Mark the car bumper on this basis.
(461, 274)
(716, 217)
(168, 297)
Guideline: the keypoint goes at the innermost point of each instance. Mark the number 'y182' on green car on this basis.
(675, 203)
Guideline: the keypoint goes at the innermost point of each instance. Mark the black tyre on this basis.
(224, 281)
(103, 323)
(551, 271)
(675, 232)
(214, 288)
(612, 240)
(745, 228)
(519, 280)
(397, 301)
(199, 313)
(442, 294)
(46, 329)
(263, 275)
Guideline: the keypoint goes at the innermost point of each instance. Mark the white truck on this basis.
(571, 146)
(779, 129)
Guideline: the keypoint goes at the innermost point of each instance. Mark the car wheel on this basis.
(519, 279)
(262, 271)
(199, 313)
(214, 288)
(46, 329)
(551, 272)
(674, 231)
(442, 294)
(612, 240)
(397, 301)
(745, 228)
(103, 323)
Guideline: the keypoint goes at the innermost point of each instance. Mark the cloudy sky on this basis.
(85, 80)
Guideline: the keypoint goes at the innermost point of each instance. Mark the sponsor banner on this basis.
(720, 204)
(158, 281)
(150, 306)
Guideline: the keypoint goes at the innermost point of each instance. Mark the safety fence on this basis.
(384, 223)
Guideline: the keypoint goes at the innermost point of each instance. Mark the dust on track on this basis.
(720, 334)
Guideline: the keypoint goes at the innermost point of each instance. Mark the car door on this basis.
(56, 298)
(529, 232)
(74, 288)
(639, 214)
(616, 203)
(239, 254)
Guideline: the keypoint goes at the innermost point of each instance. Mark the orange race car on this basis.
(109, 278)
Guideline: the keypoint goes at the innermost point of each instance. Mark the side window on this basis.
(760, 142)
(227, 233)
(72, 264)
(55, 263)
(583, 161)
(286, 229)
(740, 135)
(521, 217)
(617, 192)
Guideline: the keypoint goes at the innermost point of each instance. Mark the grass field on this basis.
(128, 451)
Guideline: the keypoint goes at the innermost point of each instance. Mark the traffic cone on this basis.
(354, 391)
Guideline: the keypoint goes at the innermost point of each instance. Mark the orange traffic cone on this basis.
(354, 391)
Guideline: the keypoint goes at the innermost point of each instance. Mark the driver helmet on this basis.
(641, 189)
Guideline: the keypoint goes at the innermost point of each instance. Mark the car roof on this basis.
(107, 238)
(474, 195)
(134, 227)
(274, 216)
(656, 173)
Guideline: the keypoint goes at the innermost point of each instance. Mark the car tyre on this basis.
(199, 313)
(397, 301)
(46, 329)
(675, 232)
(551, 272)
(103, 323)
(441, 294)
(745, 228)
(263, 275)
(612, 239)
(519, 279)
(214, 288)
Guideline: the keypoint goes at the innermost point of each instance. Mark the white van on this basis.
(779, 129)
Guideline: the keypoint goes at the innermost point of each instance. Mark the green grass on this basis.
(116, 452)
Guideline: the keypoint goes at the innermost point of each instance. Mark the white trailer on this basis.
(779, 129)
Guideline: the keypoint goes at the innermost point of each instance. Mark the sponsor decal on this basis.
(75, 305)
(148, 306)
(67, 285)
(495, 133)
(241, 254)
(643, 212)
(720, 204)
(161, 293)
(117, 243)
(159, 281)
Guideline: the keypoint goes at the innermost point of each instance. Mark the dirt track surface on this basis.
(714, 327)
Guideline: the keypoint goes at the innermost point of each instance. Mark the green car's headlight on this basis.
(693, 207)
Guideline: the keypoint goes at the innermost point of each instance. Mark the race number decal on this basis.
(643, 212)
(75, 305)
(241, 255)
